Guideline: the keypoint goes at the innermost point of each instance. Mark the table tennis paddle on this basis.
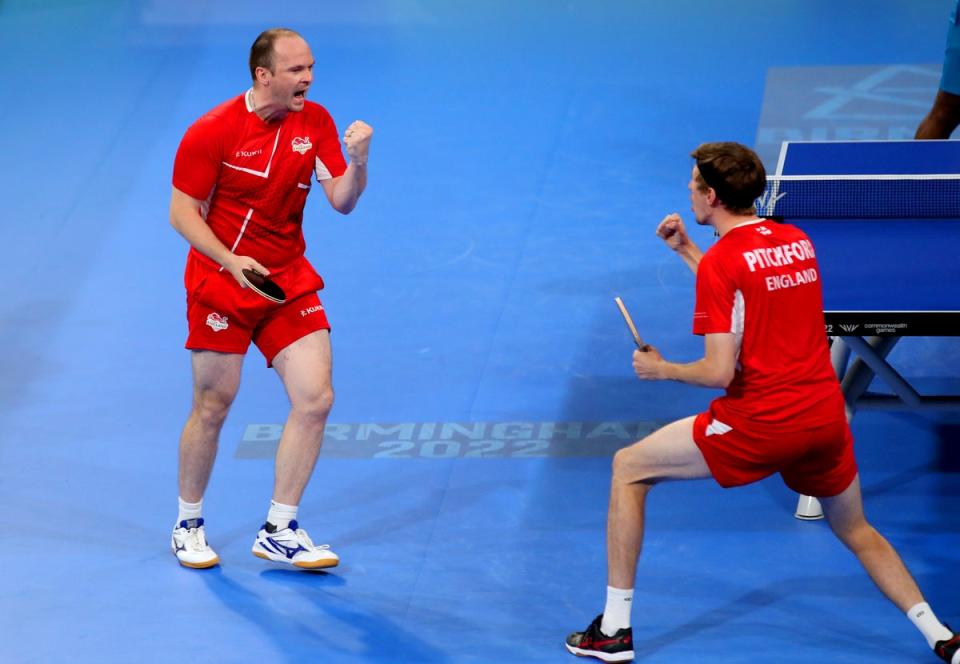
(633, 328)
(264, 286)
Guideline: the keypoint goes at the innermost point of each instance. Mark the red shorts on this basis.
(814, 462)
(224, 317)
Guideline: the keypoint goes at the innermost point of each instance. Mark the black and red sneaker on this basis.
(949, 650)
(594, 643)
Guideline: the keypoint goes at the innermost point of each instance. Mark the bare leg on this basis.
(216, 379)
(942, 119)
(305, 367)
(666, 454)
(845, 515)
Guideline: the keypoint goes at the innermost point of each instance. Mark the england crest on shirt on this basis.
(301, 145)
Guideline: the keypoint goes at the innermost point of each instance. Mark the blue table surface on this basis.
(887, 265)
(870, 158)
(906, 264)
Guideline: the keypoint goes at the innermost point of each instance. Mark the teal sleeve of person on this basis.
(950, 77)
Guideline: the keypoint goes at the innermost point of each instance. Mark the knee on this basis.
(629, 467)
(212, 406)
(316, 405)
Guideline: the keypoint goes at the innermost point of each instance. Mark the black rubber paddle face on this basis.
(264, 286)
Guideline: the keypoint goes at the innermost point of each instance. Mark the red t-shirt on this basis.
(761, 282)
(255, 175)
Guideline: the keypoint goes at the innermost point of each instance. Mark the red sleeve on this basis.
(716, 296)
(328, 148)
(199, 159)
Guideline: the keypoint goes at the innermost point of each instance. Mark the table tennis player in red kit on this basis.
(759, 307)
(240, 181)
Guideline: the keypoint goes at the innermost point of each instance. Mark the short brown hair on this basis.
(261, 53)
(734, 171)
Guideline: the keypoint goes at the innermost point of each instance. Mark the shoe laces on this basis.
(196, 539)
(301, 536)
(304, 539)
(307, 543)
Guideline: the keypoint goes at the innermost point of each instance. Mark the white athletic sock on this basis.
(281, 515)
(616, 614)
(932, 629)
(188, 510)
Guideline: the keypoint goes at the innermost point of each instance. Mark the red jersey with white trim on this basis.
(255, 175)
(761, 282)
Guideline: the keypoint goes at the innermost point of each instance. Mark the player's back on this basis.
(784, 373)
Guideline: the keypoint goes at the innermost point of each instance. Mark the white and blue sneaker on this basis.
(293, 546)
(189, 544)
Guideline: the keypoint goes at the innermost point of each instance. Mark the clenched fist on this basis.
(672, 231)
(357, 140)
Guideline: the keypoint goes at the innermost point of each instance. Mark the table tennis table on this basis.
(884, 217)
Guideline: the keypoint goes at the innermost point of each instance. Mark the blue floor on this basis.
(524, 152)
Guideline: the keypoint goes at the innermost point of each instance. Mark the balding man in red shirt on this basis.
(240, 181)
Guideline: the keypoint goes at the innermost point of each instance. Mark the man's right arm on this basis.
(185, 218)
(672, 231)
